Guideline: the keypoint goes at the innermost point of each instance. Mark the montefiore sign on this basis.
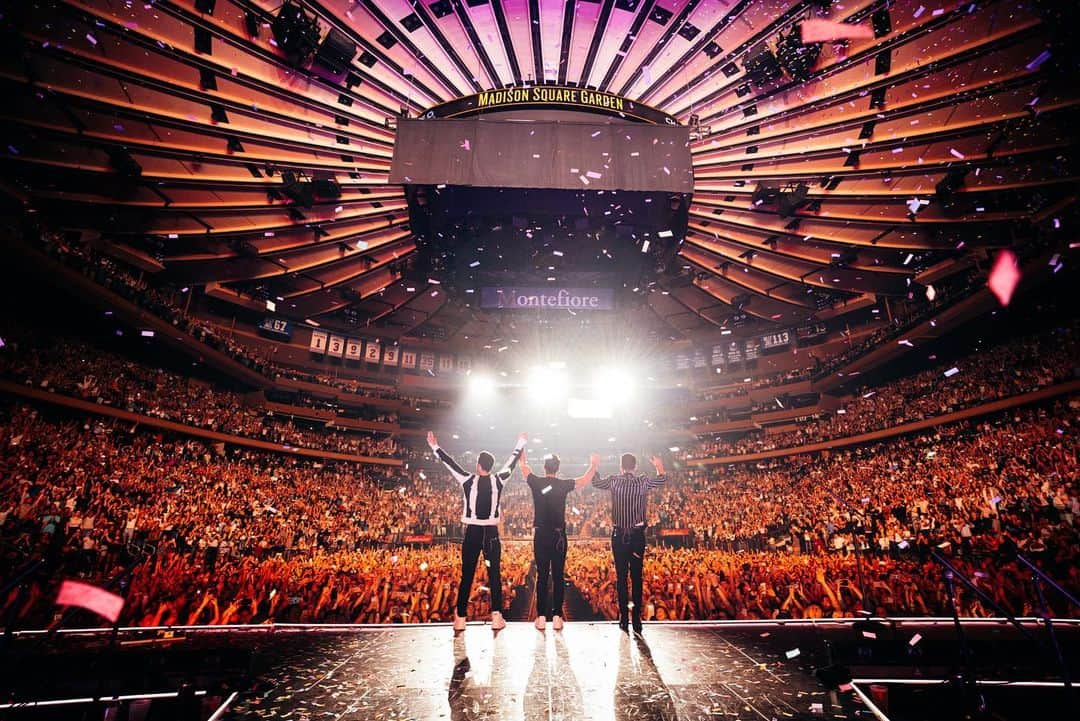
(575, 299)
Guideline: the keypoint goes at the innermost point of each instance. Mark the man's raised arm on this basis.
(508, 467)
(456, 471)
(594, 463)
(660, 479)
(598, 481)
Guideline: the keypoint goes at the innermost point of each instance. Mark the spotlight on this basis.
(547, 384)
(481, 384)
(613, 385)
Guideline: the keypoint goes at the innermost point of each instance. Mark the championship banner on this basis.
(408, 359)
(337, 346)
(353, 349)
(446, 364)
(427, 361)
(718, 355)
(318, 341)
(390, 355)
(372, 352)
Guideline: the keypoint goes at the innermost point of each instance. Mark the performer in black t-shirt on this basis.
(549, 532)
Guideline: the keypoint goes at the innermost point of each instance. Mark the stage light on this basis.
(481, 384)
(614, 385)
(547, 384)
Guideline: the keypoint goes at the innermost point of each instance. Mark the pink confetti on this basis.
(823, 31)
(1004, 277)
(465, 145)
(92, 598)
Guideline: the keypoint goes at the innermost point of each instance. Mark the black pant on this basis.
(549, 548)
(486, 539)
(628, 547)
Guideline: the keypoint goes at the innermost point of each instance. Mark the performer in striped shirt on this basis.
(628, 499)
(481, 493)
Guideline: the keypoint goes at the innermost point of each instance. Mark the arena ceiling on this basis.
(167, 127)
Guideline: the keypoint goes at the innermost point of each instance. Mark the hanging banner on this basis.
(718, 355)
(353, 349)
(464, 365)
(318, 341)
(774, 340)
(276, 327)
(390, 355)
(372, 352)
(427, 361)
(337, 346)
(408, 359)
(446, 364)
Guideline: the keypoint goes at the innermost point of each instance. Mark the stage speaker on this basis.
(336, 52)
(761, 66)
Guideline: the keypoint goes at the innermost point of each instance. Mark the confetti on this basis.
(915, 640)
(792, 653)
(1039, 60)
(951, 372)
(1004, 277)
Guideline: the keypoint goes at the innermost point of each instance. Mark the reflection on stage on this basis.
(591, 672)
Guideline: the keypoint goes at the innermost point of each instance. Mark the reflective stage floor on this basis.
(900, 669)
(587, 671)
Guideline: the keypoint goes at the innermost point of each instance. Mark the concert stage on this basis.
(591, 671)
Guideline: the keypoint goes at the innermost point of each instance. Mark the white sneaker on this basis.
(498, 623)
(459, 622)
(557, 623)
(541, 623)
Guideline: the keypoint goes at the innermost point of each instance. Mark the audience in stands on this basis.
(79, 370)
(1013, 368)
(242, 536)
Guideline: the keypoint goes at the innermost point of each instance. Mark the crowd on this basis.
(243, 536)
(83, 494)
(1017, 367)
(82, 371)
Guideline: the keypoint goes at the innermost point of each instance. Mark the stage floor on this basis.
(588, 672)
